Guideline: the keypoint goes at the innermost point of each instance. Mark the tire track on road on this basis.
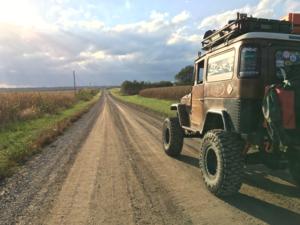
(255, 195)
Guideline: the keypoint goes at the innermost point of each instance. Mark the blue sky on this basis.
(106, 42)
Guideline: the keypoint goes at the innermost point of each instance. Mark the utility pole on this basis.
(74, 79)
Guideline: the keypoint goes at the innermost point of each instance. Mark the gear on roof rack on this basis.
(243, 24)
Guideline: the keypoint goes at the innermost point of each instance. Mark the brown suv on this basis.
(244, 104)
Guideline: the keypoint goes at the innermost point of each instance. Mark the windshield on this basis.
(287, 64)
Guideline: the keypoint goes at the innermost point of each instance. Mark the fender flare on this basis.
(174, 106)
(227, 122)
(182, 114)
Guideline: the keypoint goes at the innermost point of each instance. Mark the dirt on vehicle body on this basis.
(245, 96)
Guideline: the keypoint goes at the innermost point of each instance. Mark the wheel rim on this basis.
(211, 162)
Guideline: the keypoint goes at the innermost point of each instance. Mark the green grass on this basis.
(20, 140)
(159, 106)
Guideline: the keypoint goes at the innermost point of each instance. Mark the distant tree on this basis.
(131, 87)
(134, 87)
(185, 76)
(164, 84)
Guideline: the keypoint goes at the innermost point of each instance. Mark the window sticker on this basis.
(293, 58)
(279, 63)
(287, 64)
(286, 54)
(221, 65)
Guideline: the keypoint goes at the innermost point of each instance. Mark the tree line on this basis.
(183, 77)
(134, 87)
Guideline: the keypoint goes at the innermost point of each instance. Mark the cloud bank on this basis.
(67, 38)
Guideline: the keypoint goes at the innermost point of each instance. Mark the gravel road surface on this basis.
(109, 168)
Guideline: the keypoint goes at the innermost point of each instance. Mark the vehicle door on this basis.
(197, 96)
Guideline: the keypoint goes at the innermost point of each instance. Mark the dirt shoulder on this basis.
(20, 140)
(28, 194)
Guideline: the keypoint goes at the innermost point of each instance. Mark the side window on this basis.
(200, 75)
(200, 67)
(221, 66)
(249, 62)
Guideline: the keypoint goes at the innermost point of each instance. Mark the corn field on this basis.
(20, 106)
(170, 93)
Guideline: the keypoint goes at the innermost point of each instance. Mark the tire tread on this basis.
(230, 145)
(176, 137)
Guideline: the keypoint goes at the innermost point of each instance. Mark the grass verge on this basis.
(159, 106)
(20, 140)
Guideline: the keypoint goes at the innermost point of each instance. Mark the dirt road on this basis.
(120, 175)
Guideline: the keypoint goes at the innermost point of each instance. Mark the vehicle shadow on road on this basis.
(258, 177)
(192, 161)
(264, 211)
(261, 179)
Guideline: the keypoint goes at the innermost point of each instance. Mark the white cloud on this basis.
(4, 85)
(24, 14)
(292, 6)
(105, 54)
(99, 55)
(156, 22)
(127, 4)
(264, 9)
(70, 37)
(91, 24)
(181, 17)
(219, 20)
(182, 36)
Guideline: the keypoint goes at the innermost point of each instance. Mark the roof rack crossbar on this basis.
(217, 37)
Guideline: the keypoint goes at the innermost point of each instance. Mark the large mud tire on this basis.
(221, 162)
(172, 137)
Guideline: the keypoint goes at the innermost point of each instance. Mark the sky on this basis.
(106, 42)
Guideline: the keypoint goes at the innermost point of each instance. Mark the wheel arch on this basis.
(217, 119)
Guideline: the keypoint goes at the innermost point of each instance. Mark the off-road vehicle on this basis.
(245, 102)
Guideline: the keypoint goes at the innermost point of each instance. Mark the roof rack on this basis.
(243, 24)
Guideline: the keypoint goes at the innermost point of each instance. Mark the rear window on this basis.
(287, 64)
(249, 62)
